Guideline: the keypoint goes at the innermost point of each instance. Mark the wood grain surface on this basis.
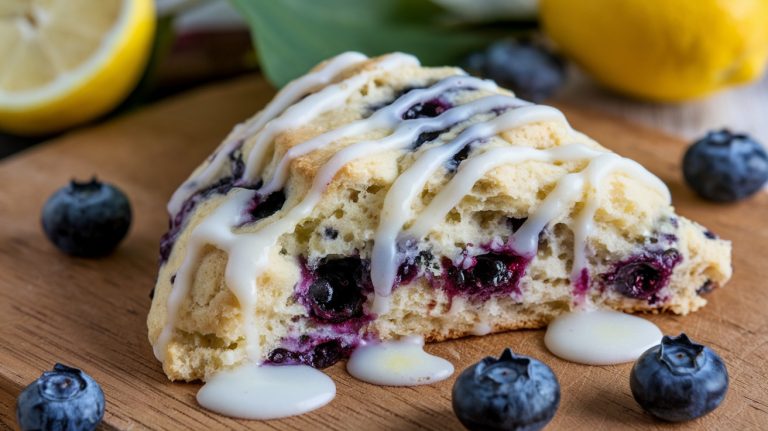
(91, 313)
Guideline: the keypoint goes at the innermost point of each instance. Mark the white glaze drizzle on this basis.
(248, 251)
(250, 391)
(397, 363)
(313, 105)
(597, 170)
(292, 92)
(387, 117)
(600, 337)
(568, 189)
(397, 205)
(215, 230)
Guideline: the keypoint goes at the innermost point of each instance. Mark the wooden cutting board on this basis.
(91, 313)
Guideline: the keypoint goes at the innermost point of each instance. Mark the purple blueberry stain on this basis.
(333, 302)
(669, 237)
(318, 351)
(710, 235)
(177, 222)
(413, 267)
(483, 276)
(674, 222)
(581, 284)
(264, 206)
(334, 291)
(643, 276)
(283, 356)
(221, 186)
(496, 272)
(375, 107)
(429, 109)
(326, 354)
(425, 137)
(453, 163)
(413, 262)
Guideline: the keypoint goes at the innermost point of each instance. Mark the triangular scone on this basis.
(375, 198)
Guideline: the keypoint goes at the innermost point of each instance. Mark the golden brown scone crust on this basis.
(631, 217)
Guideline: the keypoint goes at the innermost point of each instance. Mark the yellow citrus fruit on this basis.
(64, 62)
(663, 50)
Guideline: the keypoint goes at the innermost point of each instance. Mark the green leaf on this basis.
(291, 36)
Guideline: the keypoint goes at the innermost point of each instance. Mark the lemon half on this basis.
(64, 62)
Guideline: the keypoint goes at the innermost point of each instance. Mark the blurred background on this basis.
(684, 66)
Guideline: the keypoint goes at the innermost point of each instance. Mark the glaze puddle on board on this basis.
(600, 337)
(250, 391)
(398, 363)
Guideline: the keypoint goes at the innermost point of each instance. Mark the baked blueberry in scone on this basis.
(375, 198)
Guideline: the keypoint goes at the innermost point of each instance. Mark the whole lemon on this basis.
(662, 50)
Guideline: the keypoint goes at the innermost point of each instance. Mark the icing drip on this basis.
(597, 170)
(248, 253)
(398, 363)
(600, 337)
(215, 230)
(266, 392)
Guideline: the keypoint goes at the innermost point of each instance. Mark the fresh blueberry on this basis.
(513, 392)
(87, 219)
(643, 276)
(679, 380)
(62, 399)
(528, 69)
(336, 294)
(725, 166)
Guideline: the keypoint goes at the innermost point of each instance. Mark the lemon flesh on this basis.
(65, 62)
(662, 50)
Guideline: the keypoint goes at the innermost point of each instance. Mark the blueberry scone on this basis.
(376, 198)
